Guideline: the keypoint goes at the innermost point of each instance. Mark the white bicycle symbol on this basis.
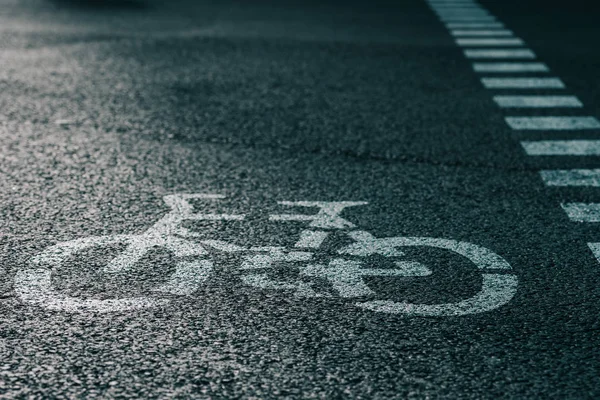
(33, 284)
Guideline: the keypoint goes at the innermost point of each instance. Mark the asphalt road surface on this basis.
(299, 199)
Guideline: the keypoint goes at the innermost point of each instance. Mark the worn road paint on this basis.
(327, 217)
(477, 33)
(33, 285)
(571, 177)
(595, 248)
(311, 239)
(468, 19)
(474, 25)
(552, 123)
(522, 83)
(537, 101)
(346, 276)
(582, 212)
(464, 42)
(500, 53)
(497, 289)
(510, 67)
(562, 147)
(461, 13)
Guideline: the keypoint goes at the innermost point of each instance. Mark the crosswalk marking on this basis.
(571, 177)
(562, 147)
(552, 123)
(489, 42)
(522, 83)
(499, 53)
(477, 33)
(537, 101)
(582, 212)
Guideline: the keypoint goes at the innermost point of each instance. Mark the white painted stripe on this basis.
(468, 19)
(499, 32)
(562, 147)
(463, 13)
(462, 16)
(499, 53)
(582, 212)
(537, 101)
(552, 123)
(457, 7)
(474, 25)
(571, 177)
(489, 42)
(311, 239)
(452, 3)
(511, 67)
(595, 248)
(522, 83)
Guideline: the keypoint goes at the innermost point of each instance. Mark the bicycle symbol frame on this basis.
(33, 284)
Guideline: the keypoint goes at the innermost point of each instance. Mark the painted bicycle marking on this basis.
(345, 272)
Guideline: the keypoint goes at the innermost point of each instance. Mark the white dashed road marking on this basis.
(497, 33)
(582, 212)
(500, 53)
(464, 42)
(571, 177)
(478, 33)
(562, 147)
(464, 25)
(552, 123)
(510, 67)
(522, 83)
(537, 101)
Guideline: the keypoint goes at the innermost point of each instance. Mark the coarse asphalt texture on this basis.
(108, 106)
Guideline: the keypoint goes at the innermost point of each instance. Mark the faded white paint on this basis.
(582, 212)
(480, 33)
(498, 287)
(499, 53)
(34, 284)
(311, 239)
(328, 216)
(346, 276)
(537, 101)
(469, 42)
(552, 123)
(497, 290)
(571, 177)
(522, 83)
(510, 67)
(562, 147)
(474, 25)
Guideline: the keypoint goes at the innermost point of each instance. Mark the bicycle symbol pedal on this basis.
(193, 266)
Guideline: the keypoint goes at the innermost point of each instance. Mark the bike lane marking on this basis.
(554, 178)
(577, 147)
(510, 67)
(522, 83)
(33, 284)
(552, 123)
(499, 53)
(537, 101)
